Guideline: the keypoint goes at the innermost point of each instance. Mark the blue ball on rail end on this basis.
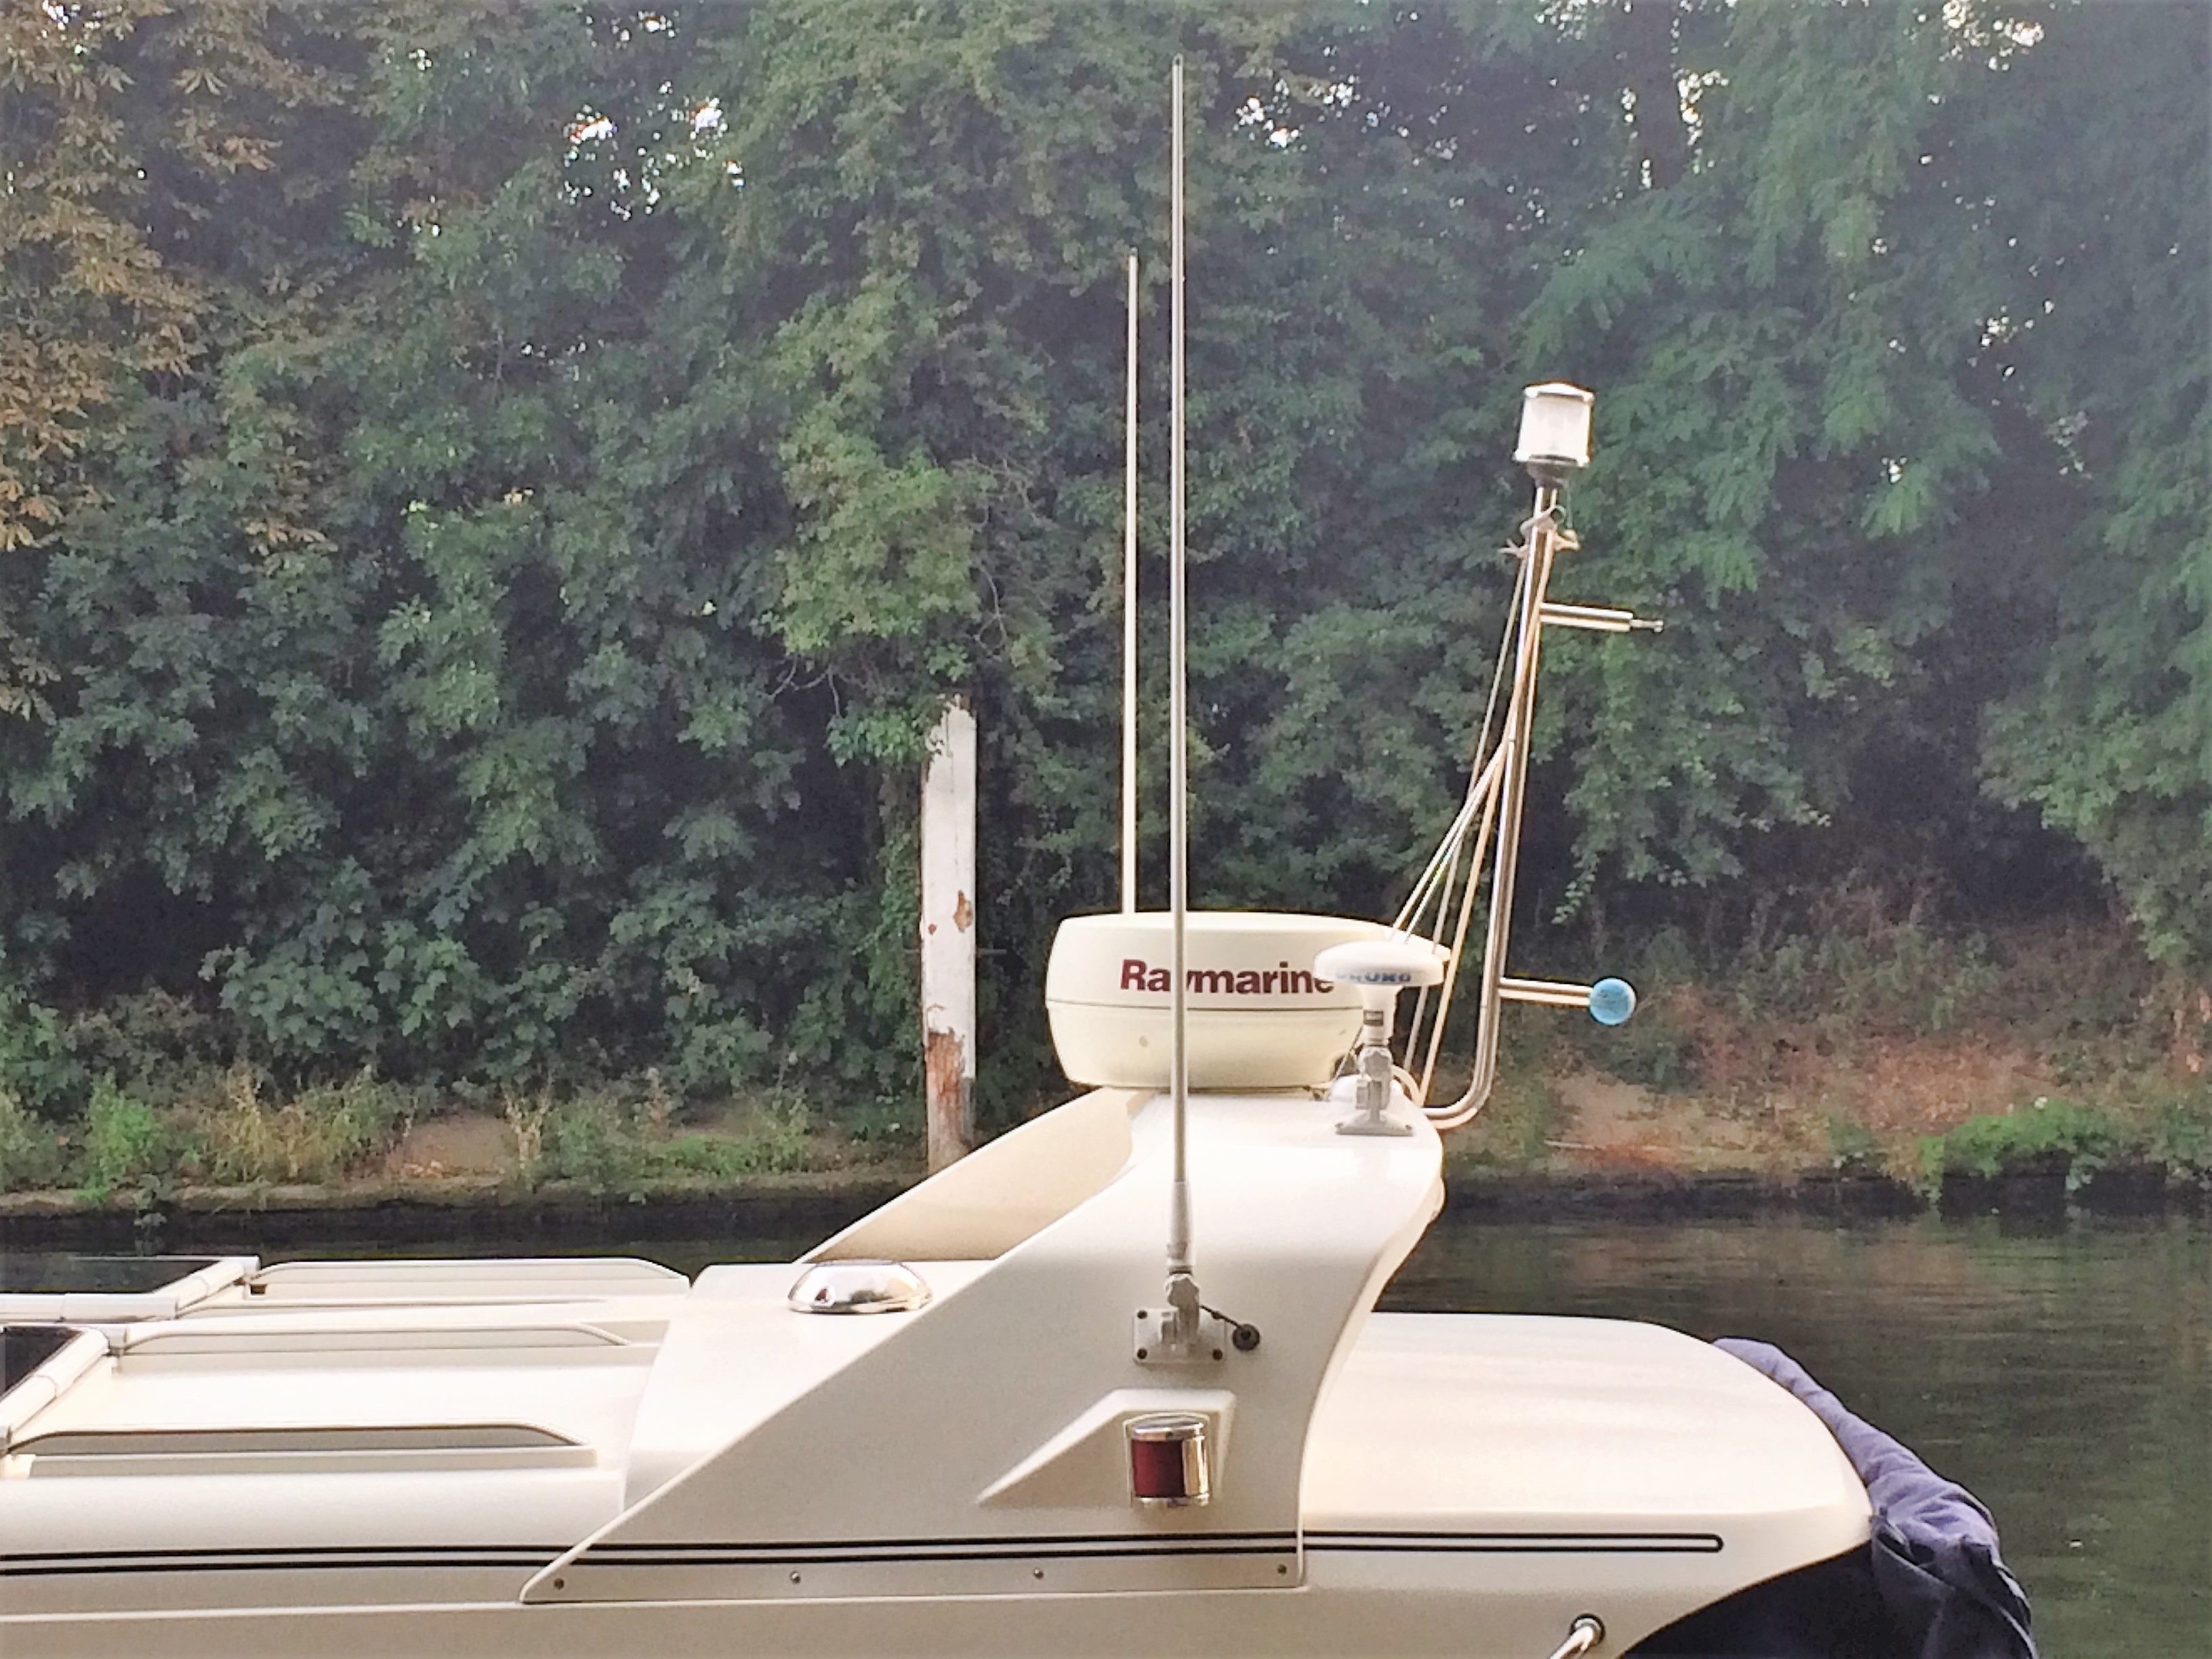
(1612, 1002)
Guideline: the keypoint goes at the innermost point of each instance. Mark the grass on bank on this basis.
(610, 1145)
(1867, 1042)
(232, 1129)
(2076, 1141)
(1870, 1042)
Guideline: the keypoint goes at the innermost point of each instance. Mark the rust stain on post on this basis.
(945, 1079)
(941, 1063)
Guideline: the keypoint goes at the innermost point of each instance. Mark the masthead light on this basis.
(1555, 429)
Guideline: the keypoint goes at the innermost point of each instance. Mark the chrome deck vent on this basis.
(857, 1287)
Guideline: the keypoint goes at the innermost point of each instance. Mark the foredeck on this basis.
(403, 1404)
(1627, 1437)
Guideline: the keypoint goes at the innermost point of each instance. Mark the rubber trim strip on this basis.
(323, 1558)
(1520, 1543)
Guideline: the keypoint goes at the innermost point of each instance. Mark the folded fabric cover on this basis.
(1935, 1560)
(1930, 1584)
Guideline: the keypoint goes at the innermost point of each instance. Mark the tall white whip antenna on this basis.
(1182, 1287)
(1129, 617)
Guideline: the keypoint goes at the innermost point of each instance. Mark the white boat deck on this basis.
(1526, 1425)
(445, 1441)
(1536, 1427)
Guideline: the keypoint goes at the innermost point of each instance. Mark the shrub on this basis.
(125, 1144)
(1513, 1131)
(775, 1143)
(2051, 1137)
(588, 1140)
(1653, 1049)
(2180, 1137)
(36, 1065)
(156, 1046)
(608, 1146)
(316, 1137)
(31, 1154)
(1858, 966)
(886, 1125)
(1852, 1148)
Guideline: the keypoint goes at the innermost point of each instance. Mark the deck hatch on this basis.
(414, 1448)
(425, 1436)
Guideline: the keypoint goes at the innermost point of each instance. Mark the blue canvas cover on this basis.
(1930, 1584)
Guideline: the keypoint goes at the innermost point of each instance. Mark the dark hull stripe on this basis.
(918, 1552)
(274, 1560)
(866, 1558)
(291, 1551)
(1029, 1545)
(1671, 1543)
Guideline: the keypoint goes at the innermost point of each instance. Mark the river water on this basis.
(2060, 1370)
(2061, 1373)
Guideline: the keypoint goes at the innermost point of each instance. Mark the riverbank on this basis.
(462, 1211)
(1556, 1143)
(1875, 1068)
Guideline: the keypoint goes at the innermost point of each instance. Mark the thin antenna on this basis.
(1129, 618)
(1182, 1288)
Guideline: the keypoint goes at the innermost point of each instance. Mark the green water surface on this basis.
(2061, 1372)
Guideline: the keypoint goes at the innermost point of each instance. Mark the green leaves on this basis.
(474, 580)
(883, 550)
(2106, 733)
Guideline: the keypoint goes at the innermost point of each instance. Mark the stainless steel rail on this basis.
(1495, 800)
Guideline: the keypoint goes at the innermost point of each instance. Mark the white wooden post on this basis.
(948, 935)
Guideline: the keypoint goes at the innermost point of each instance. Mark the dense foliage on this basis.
(490, 493)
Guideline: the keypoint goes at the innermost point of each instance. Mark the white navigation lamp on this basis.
(1380, 968)
(1555, 430)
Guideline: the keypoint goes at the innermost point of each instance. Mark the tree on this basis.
(492, 496)
(2107, 325)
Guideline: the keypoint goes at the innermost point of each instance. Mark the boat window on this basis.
(24, 1348)
(51, 1290)
(42, 1274)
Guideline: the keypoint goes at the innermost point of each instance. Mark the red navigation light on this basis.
(1167, 1460)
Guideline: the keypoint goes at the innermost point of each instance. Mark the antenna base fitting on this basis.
(1372, 1077)
(1184, 1333)
(1381, 967)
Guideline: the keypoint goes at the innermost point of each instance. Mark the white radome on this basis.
(1264, 1019)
